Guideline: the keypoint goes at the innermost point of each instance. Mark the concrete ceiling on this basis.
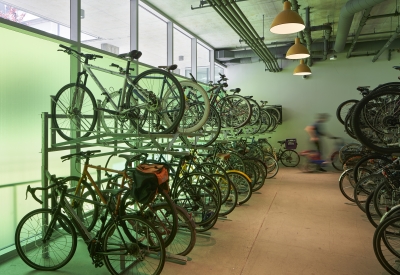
(207, 25)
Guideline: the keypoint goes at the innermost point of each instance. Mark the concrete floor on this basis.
(296, 224)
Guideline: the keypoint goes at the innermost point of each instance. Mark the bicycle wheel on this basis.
(347, 184)
(289, 158)
(255, 112)
(234, 110)
(137, 249)
(161, 213)
(86, 211)
(386, 244)
(262, 169)
(335, 160)
(119, 122)
(158, 100)
(344, 108)
(52, 253)
(365, 187)
(230, 203)
(370, 211)
(185, 237)
(207, 134)
(242, 184)
(306, 166)
(74, 111)
(265, 121)
(375, 121)
(384, 197)
(372, 162)
(201, 204)
(197, 107)
(272, 166)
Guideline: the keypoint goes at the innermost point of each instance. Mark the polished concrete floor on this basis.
(298, 223)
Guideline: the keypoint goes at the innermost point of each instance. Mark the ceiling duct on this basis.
(346, 18)
(235, 18)
(362, 48)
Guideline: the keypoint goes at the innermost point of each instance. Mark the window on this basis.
(105, 25)
(203, 63)
(40, 15)
(152, 38)
(182, 53)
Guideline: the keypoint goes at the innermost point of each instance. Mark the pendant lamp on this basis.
(287, 21)
(302, 69)
(297, 51)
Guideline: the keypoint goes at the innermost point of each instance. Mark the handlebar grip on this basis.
(98, 56)
(114, 65)
(64, 47)
(32, 191)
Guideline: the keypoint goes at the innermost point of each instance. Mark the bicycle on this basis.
(46, 239)
(286, 153)
(151, 102)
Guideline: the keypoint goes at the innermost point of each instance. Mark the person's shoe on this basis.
(322, 170)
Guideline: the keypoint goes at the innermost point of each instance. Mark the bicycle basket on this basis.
(291, 143)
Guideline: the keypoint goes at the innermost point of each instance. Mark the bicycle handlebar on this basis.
(69, 50)
(83, 154)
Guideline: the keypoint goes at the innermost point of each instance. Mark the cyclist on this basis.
(316, 131)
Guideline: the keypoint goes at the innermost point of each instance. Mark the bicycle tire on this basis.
(272, 166)
(383, 198)
(265, 121)
(335, 160)
(197, 107)
(185, 238)
(207, 134)
(87, 212)
(119, 123)
(347, 190)
(365, 187)
(344, 108)
(52, 254)
(255, 111)
(380, 132)
(383, 252)
(166, 106)
(370, 211)
(234, 110)
(146, 250)
(161, 213)
(365, 161)
(243, 185)
(262, 176)
(67, 119)
(289, 158)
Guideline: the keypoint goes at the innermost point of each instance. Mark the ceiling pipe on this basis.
(217, 8)
(373, 33)
(396, 13)
(307, 35)
(255, 34)
(363, 20)
(346, 18)
(385, 47)
(230, 15)
(295, 7)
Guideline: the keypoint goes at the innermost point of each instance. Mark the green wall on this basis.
(331, 83)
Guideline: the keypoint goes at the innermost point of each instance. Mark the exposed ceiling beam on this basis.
(363, 20)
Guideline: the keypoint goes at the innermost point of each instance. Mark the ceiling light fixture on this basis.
(302, 69)
(297, 51)
(287, 21)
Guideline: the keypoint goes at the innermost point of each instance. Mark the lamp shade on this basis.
(297, 51)
(287, 21)
(302, 69)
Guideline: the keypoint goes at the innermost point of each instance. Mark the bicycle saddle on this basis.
(281, 141)
(223, 156)
(363, 88)
(135, 54)
(237, 90)
(169, 68)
